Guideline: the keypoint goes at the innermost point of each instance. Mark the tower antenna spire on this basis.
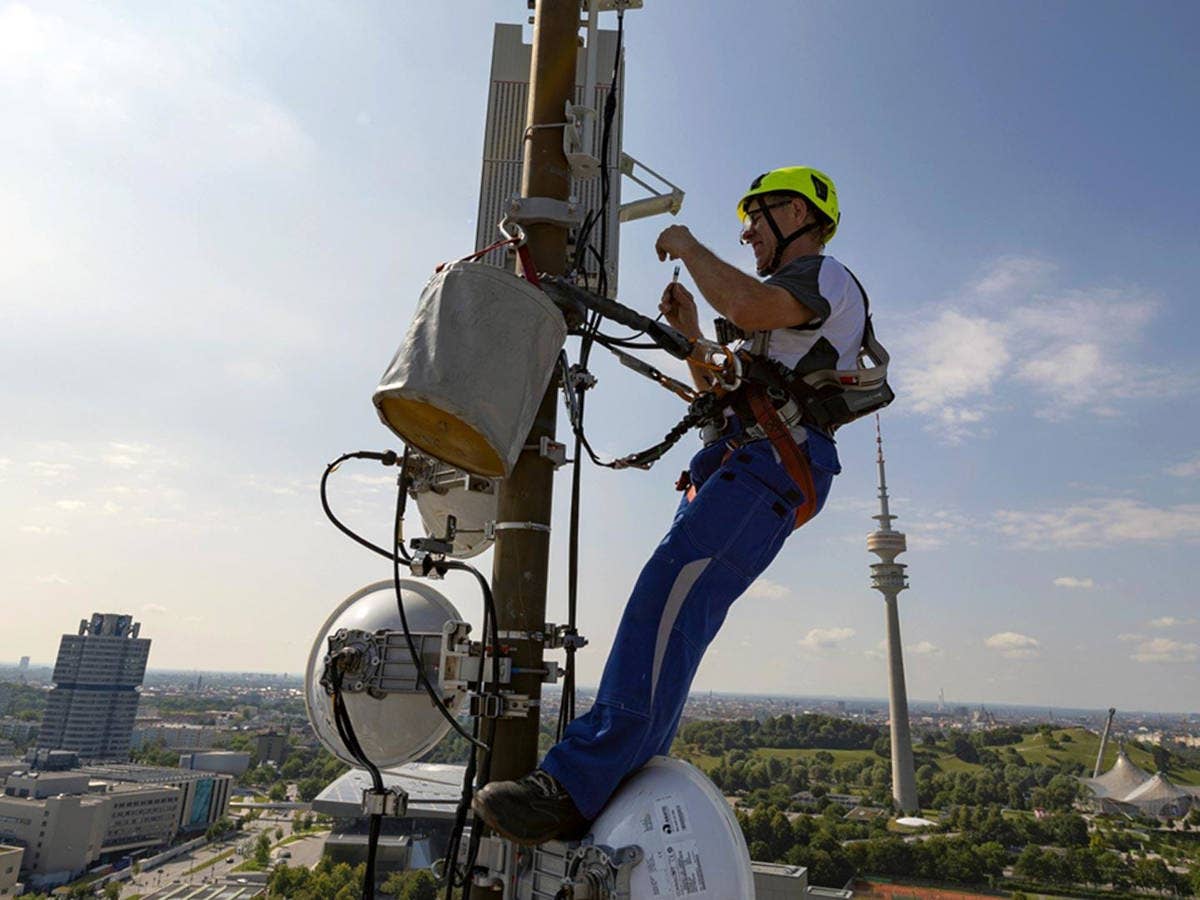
(887, 577)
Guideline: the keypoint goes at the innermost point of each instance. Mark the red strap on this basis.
(527, 267)
(794, 462)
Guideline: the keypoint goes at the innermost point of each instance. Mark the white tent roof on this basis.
(1157, 788)
(1121, 780)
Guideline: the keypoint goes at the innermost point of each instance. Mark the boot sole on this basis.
(483, 813)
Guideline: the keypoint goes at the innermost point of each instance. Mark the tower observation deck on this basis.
(887, 577)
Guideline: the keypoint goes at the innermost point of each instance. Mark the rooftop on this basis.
(145, 774)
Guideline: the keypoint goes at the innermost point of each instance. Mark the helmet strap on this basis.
(781, 242)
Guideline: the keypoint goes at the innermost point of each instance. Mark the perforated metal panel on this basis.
(503, 142)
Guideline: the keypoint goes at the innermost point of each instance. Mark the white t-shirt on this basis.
(823, 285)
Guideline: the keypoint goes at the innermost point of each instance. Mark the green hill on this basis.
(1065, 746)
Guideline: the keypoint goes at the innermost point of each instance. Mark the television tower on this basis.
(887, 577)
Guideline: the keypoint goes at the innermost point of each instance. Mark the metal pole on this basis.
(521, 561)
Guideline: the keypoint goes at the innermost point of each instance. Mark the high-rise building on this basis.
(887, 577)
(97, 679)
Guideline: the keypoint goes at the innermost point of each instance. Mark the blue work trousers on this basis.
(725, 533)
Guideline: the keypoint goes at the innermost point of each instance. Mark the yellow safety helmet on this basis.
(813, 185)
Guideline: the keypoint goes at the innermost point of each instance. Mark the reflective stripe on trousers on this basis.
(721, 539)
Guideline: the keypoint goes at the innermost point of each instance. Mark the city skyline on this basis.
(214, 251)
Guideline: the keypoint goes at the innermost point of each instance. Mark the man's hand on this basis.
(679, 309)
(674, 242)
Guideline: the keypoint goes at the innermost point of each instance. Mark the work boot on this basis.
(530, 811)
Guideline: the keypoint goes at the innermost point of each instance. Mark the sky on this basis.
(216, 220)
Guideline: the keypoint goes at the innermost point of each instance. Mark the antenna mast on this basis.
(887, 577)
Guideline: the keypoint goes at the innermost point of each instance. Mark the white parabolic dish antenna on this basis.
(690, 838)
(403, 724)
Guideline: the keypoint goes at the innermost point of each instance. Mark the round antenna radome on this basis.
(399, 723)
(441, 491)
(689, 836)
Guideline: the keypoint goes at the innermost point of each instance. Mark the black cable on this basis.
(400, 555)
(483, 761)
(345, 729)
(419, 663)
(387, 458)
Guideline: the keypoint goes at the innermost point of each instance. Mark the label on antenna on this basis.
(671, 820)
(686, 869)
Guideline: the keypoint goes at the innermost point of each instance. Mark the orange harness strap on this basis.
(794, 462)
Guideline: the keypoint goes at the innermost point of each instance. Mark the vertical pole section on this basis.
(519, 569)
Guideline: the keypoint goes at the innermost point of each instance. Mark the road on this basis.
(304, 852)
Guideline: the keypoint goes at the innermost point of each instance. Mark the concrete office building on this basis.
(271, 747)
(40, 785)
(177, 736)
(10, 869)
(205, 795)
(139, 815)
(62, 835)
(66, 821)
(228, 762)
(97, 677)
(18, 730)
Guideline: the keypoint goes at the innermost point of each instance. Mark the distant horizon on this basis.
(882, 701)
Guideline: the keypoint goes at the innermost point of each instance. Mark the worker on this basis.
(759, 477)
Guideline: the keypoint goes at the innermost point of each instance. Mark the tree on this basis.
(308, 788)
(412, 885)
(278, 791)
(1162, 758)
(112, 890)
(262, 851)
(964, 749)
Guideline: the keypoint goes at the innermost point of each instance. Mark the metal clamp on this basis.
(502, 705)
(562, 636)
(388, 802)
(490, 528)
(544, 211)
(427, 565)
(550, 449)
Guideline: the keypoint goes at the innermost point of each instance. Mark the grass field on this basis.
(1080, 747)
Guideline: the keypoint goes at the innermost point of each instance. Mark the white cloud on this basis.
(1012, 274)
(1130, 637)
(1187, 469)
(924, 648)
(1103, 522)
(42, 529)
(1060, 352)
(1070, 581)
(1166, 650)
(153, 608)
(825, 638)
(879, 651)
(48, 470)
(111, 84)
(930, 532)
(71, 505)
(372, 480)
(1169, 622)
(950, 367)
(765, 589)
(1013, 645)
(51, 579)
